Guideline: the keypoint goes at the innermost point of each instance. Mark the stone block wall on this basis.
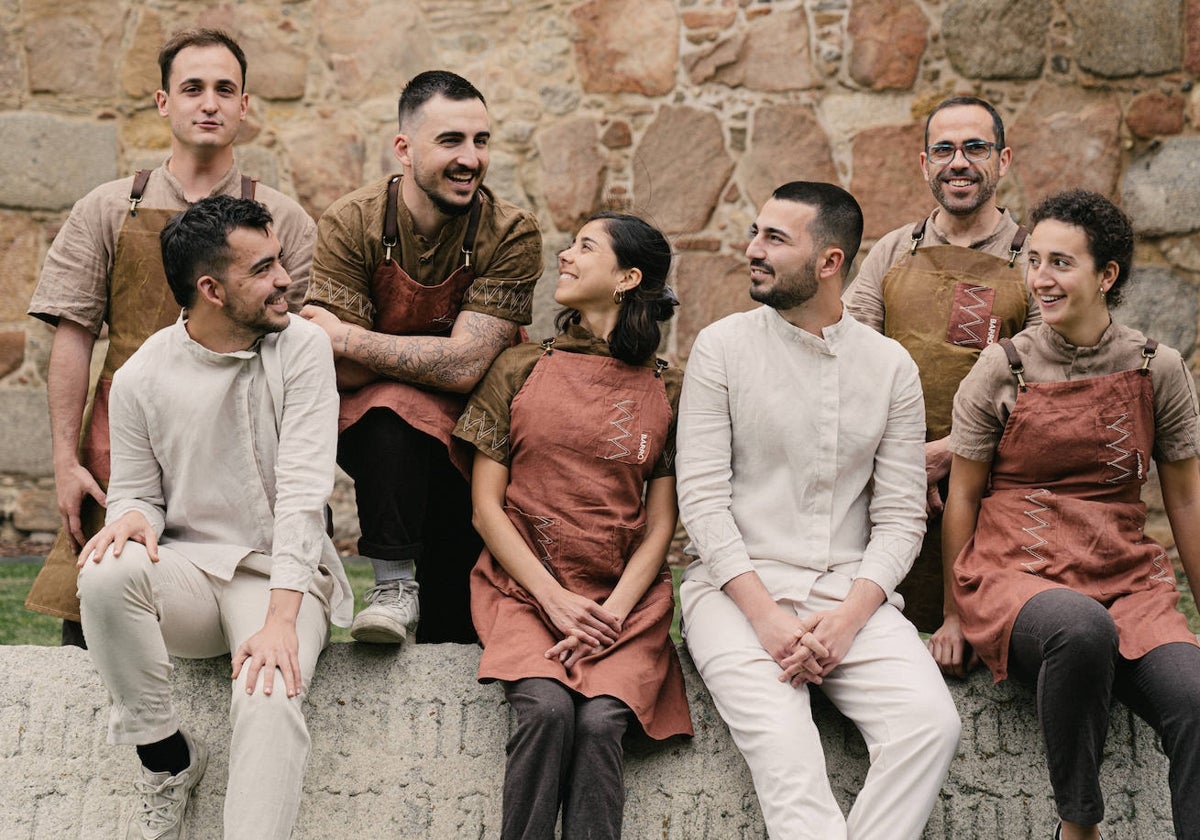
(687, 111)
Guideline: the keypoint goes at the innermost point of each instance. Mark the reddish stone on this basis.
(140, 73)
(36, 509)
(73, 51)
(12, 351)
(888, 39)
(697, 243)
(703, 18)
(786, 144)
(710, 286)
(618, 135)
(770, 53)
(1155, 114)
(613, 56)
(572, 171)
(887, 181)
(682, 166)
(1067, 139)
(20, 241)
(327, 162)
(359, 40)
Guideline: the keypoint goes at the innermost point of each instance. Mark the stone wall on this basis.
(407, 745)
(688, 111)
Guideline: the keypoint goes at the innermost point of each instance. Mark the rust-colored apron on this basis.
(140, 303)
(1064, 509)
(586, 432)
(945, 303)
(405, 307)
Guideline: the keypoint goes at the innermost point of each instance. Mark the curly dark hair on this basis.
(1108, 230)
(196, 241)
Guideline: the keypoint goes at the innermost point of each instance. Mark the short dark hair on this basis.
(838, 221)
(424, 86)
(636, 244)
(195, 242)
(1108, 230)
(197, 38)
(973, 101)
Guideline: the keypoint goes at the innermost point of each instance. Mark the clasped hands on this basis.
(808, 648)
(586, 626)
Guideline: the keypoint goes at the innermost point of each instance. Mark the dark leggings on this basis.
(413, 504)
(566, 748)
(1066, 644)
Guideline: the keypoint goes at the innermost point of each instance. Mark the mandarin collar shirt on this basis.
(800, 455)
(230, 456)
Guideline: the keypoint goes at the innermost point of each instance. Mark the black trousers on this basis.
(413, 504)
(565, 749)
(1066, 644)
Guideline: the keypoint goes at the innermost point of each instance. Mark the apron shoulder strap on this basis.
(1149, 351)
(391, 228)
(249, 186)
(140, 179)
(547, 346)
(1014, 250)
(660, 365)
(918, 234)
(472, 229)
(1014, 363)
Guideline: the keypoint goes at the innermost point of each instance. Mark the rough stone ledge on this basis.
(407, 745)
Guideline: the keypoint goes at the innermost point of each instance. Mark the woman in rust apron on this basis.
(1054, 578)
(571, 596)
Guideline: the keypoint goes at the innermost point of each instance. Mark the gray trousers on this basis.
(566, 749)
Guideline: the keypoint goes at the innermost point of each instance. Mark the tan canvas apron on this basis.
(586, 432)
(405, 307)
(1064, 509)
(945, 303)
(140, 304)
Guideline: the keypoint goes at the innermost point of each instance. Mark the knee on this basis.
(107, 582)
(1075, 627)
(544, 716)
(602, 720)
(272, 715)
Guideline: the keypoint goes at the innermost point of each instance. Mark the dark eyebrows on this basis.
(196, 80)
(266, 262)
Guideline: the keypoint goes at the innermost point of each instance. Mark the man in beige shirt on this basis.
(946, 287)
(105, 269)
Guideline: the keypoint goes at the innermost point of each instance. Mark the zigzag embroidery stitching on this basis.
(966, 327)
(492, 295)
(1038, 560)
(544, 539)
(323, 288)
(477, 421)
(624, 432)
(1164, 573)
(1123, 471)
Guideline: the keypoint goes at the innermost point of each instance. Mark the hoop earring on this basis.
(618, 296)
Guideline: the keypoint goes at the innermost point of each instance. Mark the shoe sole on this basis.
(378, 632)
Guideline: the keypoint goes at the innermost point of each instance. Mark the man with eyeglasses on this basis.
(946, 287)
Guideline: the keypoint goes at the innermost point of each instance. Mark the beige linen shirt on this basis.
(230, 456)
(74, 283)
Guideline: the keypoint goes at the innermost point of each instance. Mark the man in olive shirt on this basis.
(946, 287)
(420, 281)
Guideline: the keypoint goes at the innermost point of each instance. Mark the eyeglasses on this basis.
(975, 151)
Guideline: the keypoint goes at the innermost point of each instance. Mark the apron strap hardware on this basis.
(659, 366)
(1148, 353)
(917, 235)
(1018, 243)
(1014, 363)
(140, 179)
(391, 230)
(547, 346)
(249, 187)
(472, 229)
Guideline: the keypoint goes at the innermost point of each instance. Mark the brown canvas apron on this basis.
(586, 432)
(1064, 509)
(945, 303)
(140, 304)
(405, 307)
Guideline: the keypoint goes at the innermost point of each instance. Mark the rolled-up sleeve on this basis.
(704, 464)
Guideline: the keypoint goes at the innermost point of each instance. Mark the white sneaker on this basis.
(392, 612)
(164, 798)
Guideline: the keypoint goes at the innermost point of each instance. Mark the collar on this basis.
(827, 343)
(176, 186)
(1064, 350)
(1005, 229)
(203, 354)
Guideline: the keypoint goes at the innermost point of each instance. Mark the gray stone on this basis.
(787, 143)
(25, 444)
(1161, 191)
(49, 162)
(1162, 305)
(406, 744)
(1002, 40)
(572, 170)
(1117, 38)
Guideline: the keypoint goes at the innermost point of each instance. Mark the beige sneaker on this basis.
(392, 613)
(164, 798)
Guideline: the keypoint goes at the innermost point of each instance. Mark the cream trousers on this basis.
(888, 686)
(136, 614)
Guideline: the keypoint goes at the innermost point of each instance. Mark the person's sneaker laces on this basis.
(392, 612)
(163, 798)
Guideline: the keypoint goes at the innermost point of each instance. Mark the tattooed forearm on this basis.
(447, 363)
